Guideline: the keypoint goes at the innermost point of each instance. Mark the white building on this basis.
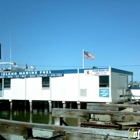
(76, 85)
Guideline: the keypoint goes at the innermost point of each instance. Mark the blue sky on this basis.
(51, 34)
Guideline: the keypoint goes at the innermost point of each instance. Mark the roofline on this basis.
(121, 71)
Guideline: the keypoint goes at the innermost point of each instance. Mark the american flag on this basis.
(88, 55)
(26, 66)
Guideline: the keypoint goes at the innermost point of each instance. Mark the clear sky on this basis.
(51, 34)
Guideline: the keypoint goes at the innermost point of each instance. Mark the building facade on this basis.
(108, 85)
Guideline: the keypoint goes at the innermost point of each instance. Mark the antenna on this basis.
(10, 48)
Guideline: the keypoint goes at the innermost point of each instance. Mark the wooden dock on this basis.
(64, 132)
(115, 128)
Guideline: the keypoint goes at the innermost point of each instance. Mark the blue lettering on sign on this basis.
(104, 93)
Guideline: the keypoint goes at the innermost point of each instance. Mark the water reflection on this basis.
(36, 117)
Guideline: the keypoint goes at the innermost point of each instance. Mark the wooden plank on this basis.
(125, 118)
(75, 136)
(6, 128)
(93, 106)
(15, 125)
(103, 125)
(101, 107)
(127, 125)
(72, 113)
(82, 113)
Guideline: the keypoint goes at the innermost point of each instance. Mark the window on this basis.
(103, 81)
(7, 83)
(45, 82)
(0, 84)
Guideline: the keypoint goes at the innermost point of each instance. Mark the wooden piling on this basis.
(30, 105)
(64, 104)
(50, 106)
(11, 106)
(25, 107)
(78, 105)
(57, 120)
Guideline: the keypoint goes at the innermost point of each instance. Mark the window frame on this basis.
(7, 85)
(104, 84)
(45, 82)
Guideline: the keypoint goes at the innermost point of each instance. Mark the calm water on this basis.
(35, 117)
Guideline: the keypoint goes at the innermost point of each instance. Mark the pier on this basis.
(64, 132)
(37, 105)
(100, 121)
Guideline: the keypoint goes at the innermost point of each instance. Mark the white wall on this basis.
(74, 87)
(115, 90)
(65, 88)
(34, 89)
(7, 94)
(17, 90)
(71, 87)
(45, 94)
(57, 88)
(119, 84)
(29, 89)
(91, 83)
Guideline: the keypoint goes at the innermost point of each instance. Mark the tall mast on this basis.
(10, 49)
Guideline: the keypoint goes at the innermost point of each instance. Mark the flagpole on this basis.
(10, 49)
(83, 58)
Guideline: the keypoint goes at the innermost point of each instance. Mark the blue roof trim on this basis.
(135, 88)
(121, 71)
(57, 71)
(70, 71)
(81, 70)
